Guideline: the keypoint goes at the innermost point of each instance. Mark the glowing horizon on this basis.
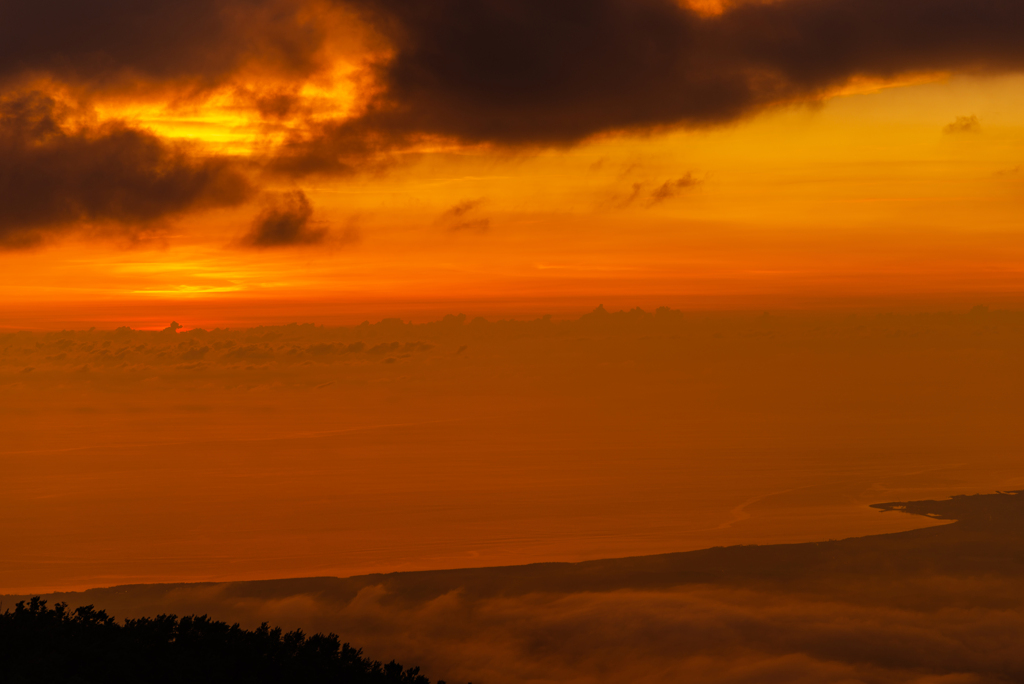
(290, 175)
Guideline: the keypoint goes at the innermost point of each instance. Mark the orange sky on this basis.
(266, 162)
(874, 195)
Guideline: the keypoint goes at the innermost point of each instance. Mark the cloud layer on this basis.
(54, 173)
(535, 73)
(286, 222)
(509, 73)
(117, 45)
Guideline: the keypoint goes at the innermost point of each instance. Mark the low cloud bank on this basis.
(702, 633)
(708, 634)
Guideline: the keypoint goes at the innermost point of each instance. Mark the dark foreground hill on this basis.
(940, 604)
(41, 644)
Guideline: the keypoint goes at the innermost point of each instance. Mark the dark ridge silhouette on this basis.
(40, 644)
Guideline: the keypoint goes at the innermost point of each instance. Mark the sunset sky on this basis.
(266, 161)
(595, 341)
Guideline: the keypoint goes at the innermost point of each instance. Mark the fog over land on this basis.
(942, 604)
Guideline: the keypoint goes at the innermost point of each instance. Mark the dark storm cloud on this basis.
(286, 222)
(54, 174)
(507, 72)
(113, 43)
(513, 73)
(534, 72)
(338, 147)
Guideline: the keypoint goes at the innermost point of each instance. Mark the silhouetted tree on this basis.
(40, 644)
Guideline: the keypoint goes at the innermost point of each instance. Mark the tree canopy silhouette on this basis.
(40, 644)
